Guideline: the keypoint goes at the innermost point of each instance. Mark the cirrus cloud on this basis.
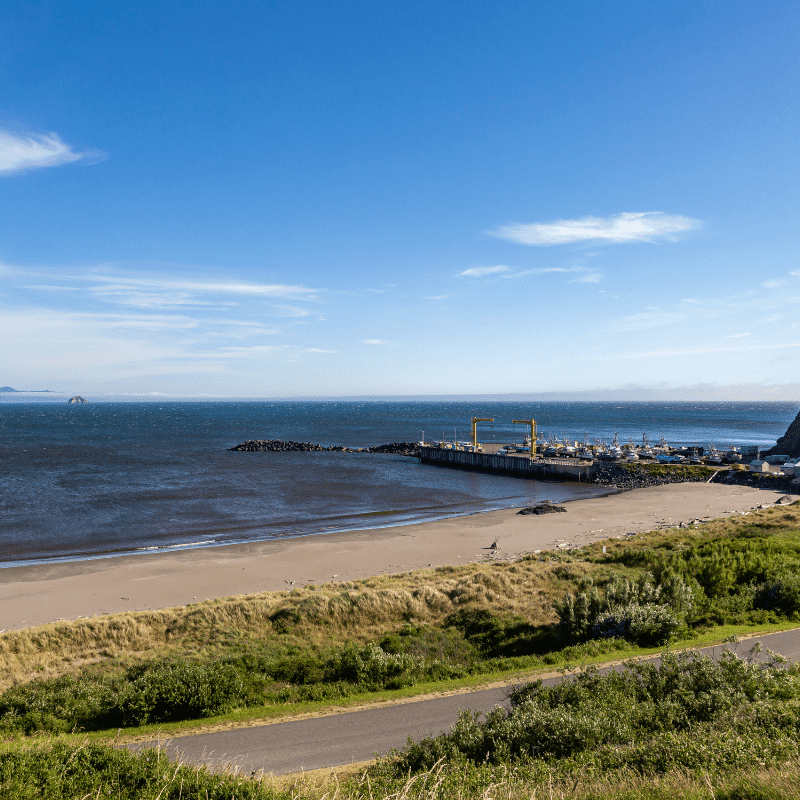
(20, 153)
(479, 272)
(636, 226)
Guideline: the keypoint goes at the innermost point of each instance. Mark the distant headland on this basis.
(25, 391)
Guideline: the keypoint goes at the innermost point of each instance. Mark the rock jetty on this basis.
(281, 446)
(633, 477)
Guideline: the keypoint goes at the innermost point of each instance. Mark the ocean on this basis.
(114, 477)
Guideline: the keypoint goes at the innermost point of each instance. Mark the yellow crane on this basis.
(475, 421)
(532, 423)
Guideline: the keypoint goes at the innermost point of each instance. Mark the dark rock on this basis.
(76, 399)
(633, 476)
(789, 443)
(545, 507)
(625, 479)
(280, 446)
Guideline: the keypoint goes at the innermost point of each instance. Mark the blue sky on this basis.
(360, 198)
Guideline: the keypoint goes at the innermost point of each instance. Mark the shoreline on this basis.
(43, 593)
(210, 544)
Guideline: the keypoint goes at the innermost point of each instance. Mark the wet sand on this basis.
(46, 593)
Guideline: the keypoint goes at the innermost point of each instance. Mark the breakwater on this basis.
(280, 446)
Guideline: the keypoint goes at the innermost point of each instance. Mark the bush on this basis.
(781, 594)
(168, 691)
(149, 692)
(432, 644)
(644, 612)
(496, 636)
(371, 667)
(59, 705)
(62, 771)
(686, 712)
(647, 625)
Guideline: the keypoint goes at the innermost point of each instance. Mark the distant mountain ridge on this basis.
(24, 391)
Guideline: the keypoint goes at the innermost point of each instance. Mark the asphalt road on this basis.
(357, 735)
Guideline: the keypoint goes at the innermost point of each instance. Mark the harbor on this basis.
(552, 458)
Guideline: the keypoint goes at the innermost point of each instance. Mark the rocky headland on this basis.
(789, 443)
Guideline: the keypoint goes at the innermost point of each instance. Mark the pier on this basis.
(515, 464)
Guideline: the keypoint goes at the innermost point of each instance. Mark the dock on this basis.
(513, 464)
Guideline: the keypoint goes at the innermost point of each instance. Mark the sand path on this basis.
(46, 593)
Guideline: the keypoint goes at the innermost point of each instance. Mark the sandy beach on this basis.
(35, 595)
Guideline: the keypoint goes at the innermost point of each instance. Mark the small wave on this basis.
(176, 546)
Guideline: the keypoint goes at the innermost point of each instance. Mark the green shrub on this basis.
(688, 711)
(60, 705)
(648, 625)
(645, 612)
(167, 691)
(61, 771)
(499, 636)
(372, 667)
(781, 594)
(432, 644)
(148, 692)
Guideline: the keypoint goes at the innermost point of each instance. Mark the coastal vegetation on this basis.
(688, 723)
(58, 770)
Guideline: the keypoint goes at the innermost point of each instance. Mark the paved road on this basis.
(357, 735)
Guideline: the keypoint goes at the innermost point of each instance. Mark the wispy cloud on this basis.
(288, 311)
(546, 271)
(649, 319)
(637, 226)
(152, 292)
(23, 152)
(318, 350)
(102, 345)
(276, 290)
(774, 284)
(737, 335)
(480, 272)
(584, 275)
(375, 341)
(240, 352)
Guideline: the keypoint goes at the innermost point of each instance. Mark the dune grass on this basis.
(357, 611)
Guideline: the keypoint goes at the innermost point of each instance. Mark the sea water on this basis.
(111, 477)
